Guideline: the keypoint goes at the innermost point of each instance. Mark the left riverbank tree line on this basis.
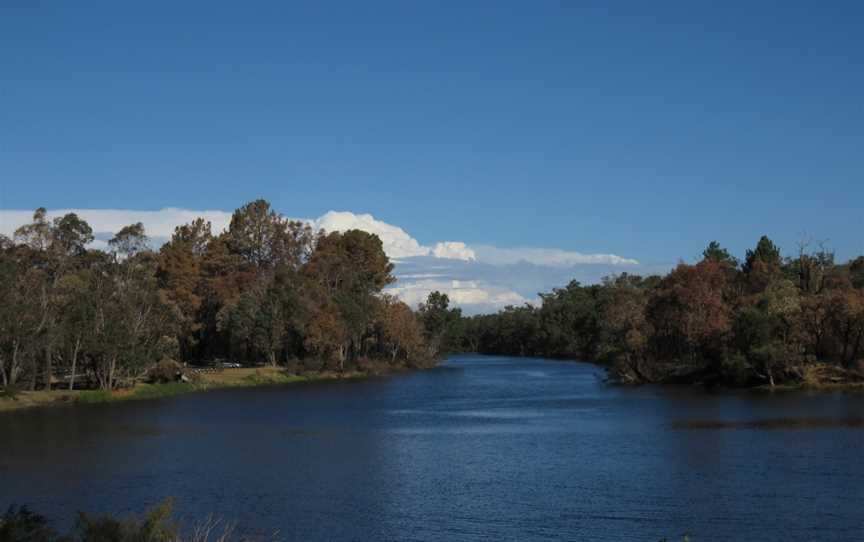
(266, 290)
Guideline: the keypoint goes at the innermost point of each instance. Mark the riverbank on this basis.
(203, 381)
(813, 377)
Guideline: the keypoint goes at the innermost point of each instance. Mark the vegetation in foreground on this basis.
(19, 524)
(267, 291)
(764, 321)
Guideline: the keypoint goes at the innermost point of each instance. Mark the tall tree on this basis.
(37, 234)
(129, 241)
(440, 321)
(624, 328)
(766, 252)
(180, 279)
(71, 235)
(689, 313)
(265, 239)
(569, 319)
(401, 331)
(856, 272)
(717, 254)
(351, 268)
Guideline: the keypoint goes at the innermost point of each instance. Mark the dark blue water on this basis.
(481, 448)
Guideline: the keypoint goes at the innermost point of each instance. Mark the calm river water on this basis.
(480, 448)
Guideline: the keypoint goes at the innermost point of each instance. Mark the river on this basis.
(479, 448)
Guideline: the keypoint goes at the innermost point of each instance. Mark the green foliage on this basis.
(9, 393)
(569, 320)
(165, 371)
(856, 272)
(129, 241)
(157, 525)
(71, 234)
(441, 323)
(156, 391)
(717, 254)
(20, 524)
(258, 379)
(268, 290)
(94, 396)
(709, 322)
(765, 253)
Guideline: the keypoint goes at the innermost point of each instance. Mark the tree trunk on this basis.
(48, 358)
(33, 375)
(13, 368)
(854, 357)
(846, 332)
(111, 365)
(74, 363)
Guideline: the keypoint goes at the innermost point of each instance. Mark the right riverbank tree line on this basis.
(266, 290)
(761, 321)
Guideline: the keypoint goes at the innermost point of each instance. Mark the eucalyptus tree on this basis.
(350, 268)
(178, 272)
(54, 249)
(70, 235)
(439, 321)
(129, 241)
(400, 330)
(36, 234)
(265, 239)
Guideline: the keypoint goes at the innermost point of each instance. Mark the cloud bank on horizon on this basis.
(478, 278)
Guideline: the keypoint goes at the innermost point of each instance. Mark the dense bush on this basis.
(23, 525)
(165, 371)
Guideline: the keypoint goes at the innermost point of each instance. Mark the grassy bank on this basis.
(228, 378)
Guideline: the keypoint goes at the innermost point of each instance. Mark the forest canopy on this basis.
(267, 290)
(762, 320)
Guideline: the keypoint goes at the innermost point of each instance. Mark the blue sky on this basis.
(643, 129)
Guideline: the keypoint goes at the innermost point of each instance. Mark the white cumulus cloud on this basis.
(397, 243)
(546, 256)
(454, 250)
(476, 295)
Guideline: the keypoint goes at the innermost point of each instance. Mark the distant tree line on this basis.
(763, 320)
(266, 290)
